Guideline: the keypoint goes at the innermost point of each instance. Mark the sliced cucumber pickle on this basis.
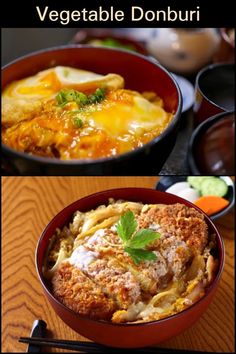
(196, 181)
(214, 186)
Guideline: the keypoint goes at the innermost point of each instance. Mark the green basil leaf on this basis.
(132, 254)
(140, 255)
(126, 226)
(142, 238)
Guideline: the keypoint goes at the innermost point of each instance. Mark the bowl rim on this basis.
(53, 161)
(210, 68)
(209, 289)
(195, 135)
(228, 181)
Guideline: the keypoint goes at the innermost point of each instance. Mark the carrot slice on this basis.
(211, 204)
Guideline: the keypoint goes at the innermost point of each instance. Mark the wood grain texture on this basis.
(28, 204)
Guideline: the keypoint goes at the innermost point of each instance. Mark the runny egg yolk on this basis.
(125, 112)
(35, 87)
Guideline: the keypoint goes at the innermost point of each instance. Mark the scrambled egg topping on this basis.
(35, 121)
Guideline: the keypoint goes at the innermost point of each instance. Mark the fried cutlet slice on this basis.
(115, 281)
(178, 220)
(149, 275)
(76, 291)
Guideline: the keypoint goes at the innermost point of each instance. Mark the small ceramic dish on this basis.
(165, 182)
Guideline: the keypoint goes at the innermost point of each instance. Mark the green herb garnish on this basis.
(70, 95)
(98, 96)
(135, 241)
(139, 255)
(78, 122)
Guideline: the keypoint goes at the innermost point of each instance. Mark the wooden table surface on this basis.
(28, 204)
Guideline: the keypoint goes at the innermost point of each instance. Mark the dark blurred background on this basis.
(19, 41)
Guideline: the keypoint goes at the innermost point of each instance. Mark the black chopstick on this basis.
(85, 347)
(90, 347)
(38, 330)
(61, 344)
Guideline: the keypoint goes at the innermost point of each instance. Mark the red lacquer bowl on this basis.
(140, 73)
(125, 335)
